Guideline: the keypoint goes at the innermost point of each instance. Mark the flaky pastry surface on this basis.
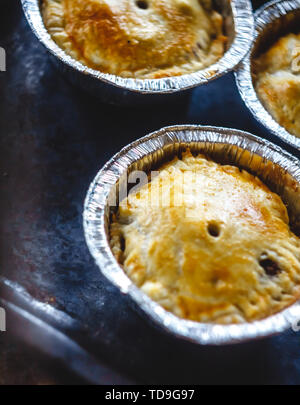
(140, 39)
(209, 243)
(277, 82)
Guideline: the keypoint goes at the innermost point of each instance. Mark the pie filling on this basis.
(139, 39)
(208, 242)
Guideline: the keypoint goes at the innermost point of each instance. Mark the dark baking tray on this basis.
(53, 140)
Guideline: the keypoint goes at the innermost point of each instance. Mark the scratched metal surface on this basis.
(53, 140)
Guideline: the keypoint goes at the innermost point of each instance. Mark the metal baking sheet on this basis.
(54, 138)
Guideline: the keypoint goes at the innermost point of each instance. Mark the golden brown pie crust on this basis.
(277, 82)
(122, 37)
(220, 250)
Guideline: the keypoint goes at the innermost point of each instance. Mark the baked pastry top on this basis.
(208, 242)
(277, 82)
(137, 38)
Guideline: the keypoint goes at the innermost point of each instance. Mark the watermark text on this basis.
(2, 60)
(2, 320)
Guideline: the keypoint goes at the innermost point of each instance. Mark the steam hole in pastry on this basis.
(143, 4)
(122, 243)
(214, 229)
(270, 267)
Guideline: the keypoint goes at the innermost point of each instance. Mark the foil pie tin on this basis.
(273, 20)
(238, 26)
(274, 166)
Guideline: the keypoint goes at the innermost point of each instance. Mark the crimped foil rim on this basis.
(263, 16)
(96, 238)
(244, 27)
